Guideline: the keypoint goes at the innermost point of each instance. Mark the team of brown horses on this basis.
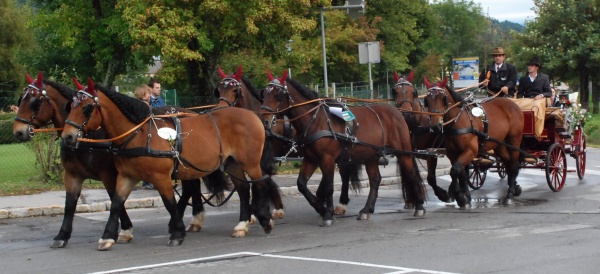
(239, 135)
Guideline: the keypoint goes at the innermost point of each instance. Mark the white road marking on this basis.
(247, 254)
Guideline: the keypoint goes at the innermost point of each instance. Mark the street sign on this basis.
(368, 52)
(355, 12)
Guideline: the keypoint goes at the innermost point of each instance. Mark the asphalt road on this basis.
(543, 232)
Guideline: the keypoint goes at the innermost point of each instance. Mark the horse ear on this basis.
(238, 74)
(29, 79)
(271, 78)
(396, 77)
(283, 77)
(444, 83)
(427, 84)
(221, 73)
(91, 90)
(39, 80)
(77, 84)
(410, 76)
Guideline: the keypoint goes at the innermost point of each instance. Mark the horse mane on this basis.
(255, 92)
(457, 97)
(304, 90)
(65, 91)
(134, 109)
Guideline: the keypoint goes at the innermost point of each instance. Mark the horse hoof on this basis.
(278, 214)
(252, 219)
(508, 201)
(340, 210)
(104, 245)
(125, 236)
(409, 206)
(193, 228)
(363, 216)
(326, 223)
(269, 227)
(518, 191)
(59, 244)
(175, 242)
(239, 233)
(419, 212)
(466, 207)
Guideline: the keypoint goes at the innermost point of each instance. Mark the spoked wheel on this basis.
(477, 175)
(580, 159)
(501, 170)
(556, 167)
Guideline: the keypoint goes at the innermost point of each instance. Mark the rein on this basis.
(135, 128)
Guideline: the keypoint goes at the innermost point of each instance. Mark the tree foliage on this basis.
(14, 36)
(566, 36)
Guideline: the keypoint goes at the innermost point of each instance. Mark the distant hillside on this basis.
(507, 25)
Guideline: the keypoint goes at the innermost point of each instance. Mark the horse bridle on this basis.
(281, 92)
(403, 83)
(227, 82)
(32, 90)
(81, 96)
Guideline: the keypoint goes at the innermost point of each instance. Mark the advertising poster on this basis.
(466, 71)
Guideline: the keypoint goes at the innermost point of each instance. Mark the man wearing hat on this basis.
(534, 85)
(502, 76)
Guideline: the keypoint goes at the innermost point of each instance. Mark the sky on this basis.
(517, 11)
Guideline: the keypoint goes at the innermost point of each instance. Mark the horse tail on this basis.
(216, 183)
(413, 187)
(353, 171)
(268, 164)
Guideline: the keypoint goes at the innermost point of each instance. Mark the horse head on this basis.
(436, 101)
(230, 87)
(403, 92)
(32, 113)
(275, 98)
(84, 115)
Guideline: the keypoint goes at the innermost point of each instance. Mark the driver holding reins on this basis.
(502, 76)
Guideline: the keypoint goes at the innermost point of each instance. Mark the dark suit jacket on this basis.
(506, 76)
(540, 85)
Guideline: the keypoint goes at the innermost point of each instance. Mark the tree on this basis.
(570, 46)
(84, 39)
(192, 36)
(14, 36)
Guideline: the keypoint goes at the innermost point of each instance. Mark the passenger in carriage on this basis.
(535, 85)
(503, 76)
(142, 92)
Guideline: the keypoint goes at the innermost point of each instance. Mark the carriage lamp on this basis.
(563, 98)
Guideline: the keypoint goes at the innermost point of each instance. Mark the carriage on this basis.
(562, 134)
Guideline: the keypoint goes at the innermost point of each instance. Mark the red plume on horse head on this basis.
(427, 84)
(77, 84)
(410, 76)
(38, 82)
(90, 88)
(238, 74)
(221, 73)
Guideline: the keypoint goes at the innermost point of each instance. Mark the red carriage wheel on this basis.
(477, 175)
(501, 170)
(580, 153)
(556, 167)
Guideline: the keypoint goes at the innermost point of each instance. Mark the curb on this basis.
(152, 202)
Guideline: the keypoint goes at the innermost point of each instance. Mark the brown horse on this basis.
(407, 100)
(43, 102)
(465, 126)
(236, 90)
(157, 150)
(325, 140)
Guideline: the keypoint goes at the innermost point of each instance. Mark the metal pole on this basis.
(324, 55)
(370, 81)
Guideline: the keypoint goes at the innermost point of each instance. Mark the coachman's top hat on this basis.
(498, 51)
(535, 61)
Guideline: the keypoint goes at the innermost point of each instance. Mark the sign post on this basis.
(368, 53)
(465, 71)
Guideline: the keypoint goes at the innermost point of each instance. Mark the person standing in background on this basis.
(155, 99)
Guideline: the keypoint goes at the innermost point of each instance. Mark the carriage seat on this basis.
(556, 114)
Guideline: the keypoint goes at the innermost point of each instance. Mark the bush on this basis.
(6, 127)
(46, 147)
